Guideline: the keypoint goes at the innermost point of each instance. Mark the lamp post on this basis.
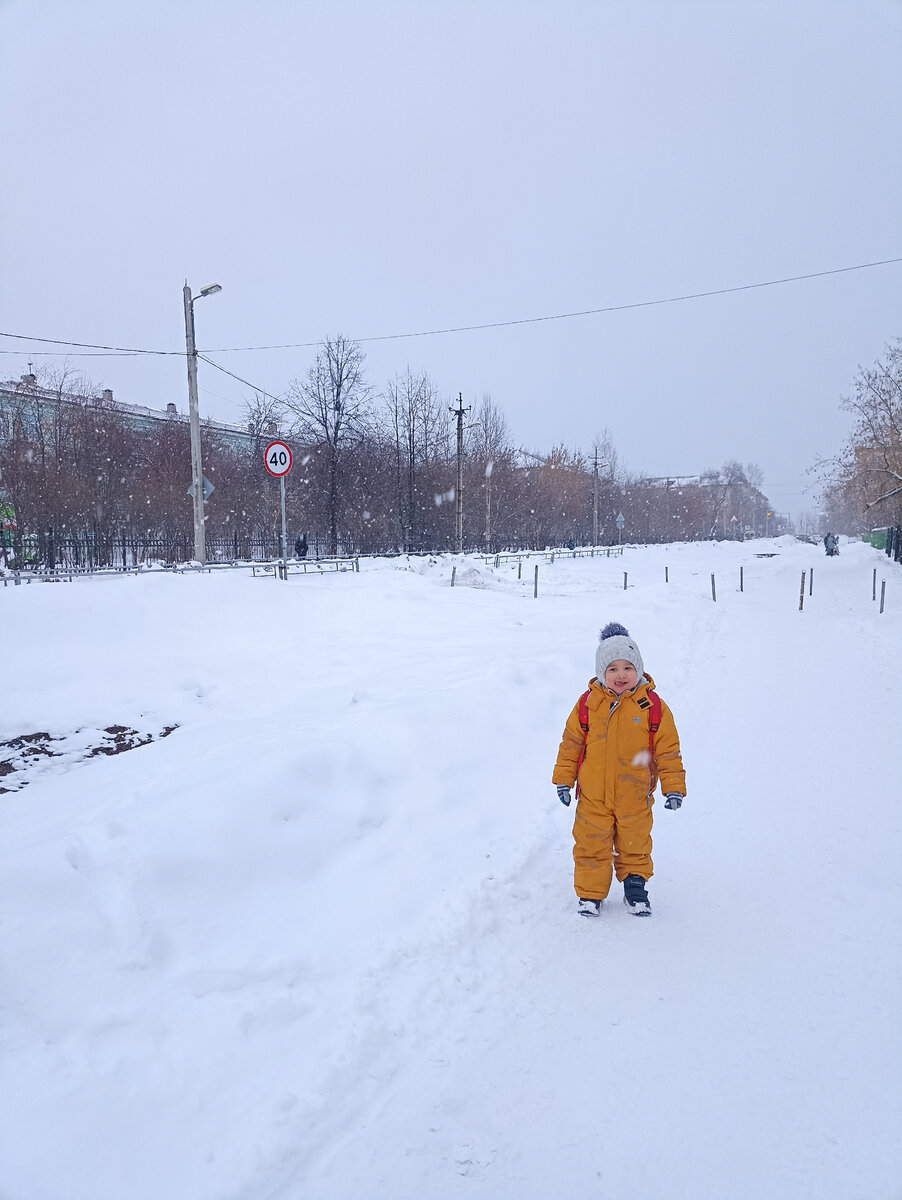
(197, 474)
(595, 503)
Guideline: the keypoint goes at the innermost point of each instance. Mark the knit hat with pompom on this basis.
(616, 643)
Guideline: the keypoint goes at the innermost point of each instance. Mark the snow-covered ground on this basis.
(319, 942)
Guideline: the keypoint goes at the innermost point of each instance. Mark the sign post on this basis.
(278, 461)
(620, 523)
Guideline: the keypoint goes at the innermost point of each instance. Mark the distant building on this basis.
(668, 481)
(21, 402)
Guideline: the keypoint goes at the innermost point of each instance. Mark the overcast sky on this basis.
(390, 168)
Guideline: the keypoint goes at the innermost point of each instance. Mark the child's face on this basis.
(620, 676)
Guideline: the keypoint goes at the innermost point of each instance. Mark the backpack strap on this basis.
(583, 717)
(654, 720)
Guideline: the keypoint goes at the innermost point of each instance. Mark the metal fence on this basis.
(517, 556)
(96, 550)
(86, 550)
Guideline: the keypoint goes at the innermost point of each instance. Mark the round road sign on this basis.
(277, 459)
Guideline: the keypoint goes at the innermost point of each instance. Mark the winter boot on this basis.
(589, 908)
(635, 897)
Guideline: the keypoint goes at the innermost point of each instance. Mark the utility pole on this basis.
(595, 504)
(459, 492)
(197, 473)
(488, 506)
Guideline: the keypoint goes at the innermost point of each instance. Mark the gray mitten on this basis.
(563, 794)
(673, 800)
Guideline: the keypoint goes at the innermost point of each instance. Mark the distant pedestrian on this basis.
(300, 546)
(619, 741)
(830, 544)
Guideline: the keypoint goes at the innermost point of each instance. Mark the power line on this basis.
(215, 395)
(24, 337)
(254, 386)
(586, 312)
(79, 354)
(386, 337)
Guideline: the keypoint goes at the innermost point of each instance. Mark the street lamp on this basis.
(197, 474)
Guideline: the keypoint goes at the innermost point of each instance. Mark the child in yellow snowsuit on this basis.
(609, 748)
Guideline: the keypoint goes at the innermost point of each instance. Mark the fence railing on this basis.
(87, 551)
(277, 569)
(550, 555)
(273, 567)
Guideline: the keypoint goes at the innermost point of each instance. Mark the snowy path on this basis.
(735, 1045)
(320, 942)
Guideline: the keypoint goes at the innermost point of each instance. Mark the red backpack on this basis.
(654, 720)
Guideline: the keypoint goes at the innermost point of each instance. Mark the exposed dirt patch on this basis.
(24, 757)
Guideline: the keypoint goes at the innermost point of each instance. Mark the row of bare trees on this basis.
(389, 466)
(375, 472)
(862, 484)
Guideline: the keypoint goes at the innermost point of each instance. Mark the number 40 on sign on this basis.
(277, 459)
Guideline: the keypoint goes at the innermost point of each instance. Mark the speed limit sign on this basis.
(277, 459)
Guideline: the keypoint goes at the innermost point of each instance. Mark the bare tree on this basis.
(332, 410)
(263, 417)
(609, 467)
(411, 403)
(733, 499)
(69, 459)
(876, 442)
(754, 475)
(489, 451)
(864, 480)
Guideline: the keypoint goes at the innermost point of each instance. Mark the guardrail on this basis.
(301, 566)
(550, 555)
(277, 569)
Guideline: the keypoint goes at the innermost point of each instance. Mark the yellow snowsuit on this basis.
(616, 779)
